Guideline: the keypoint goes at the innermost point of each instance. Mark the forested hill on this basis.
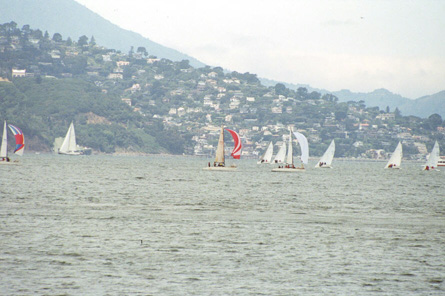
(136, 102)
(71, 19)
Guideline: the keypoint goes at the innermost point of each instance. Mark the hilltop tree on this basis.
(57, 37)
(83, 40)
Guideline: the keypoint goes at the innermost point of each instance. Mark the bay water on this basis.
(160, 225)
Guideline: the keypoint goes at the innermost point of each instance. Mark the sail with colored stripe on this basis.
(19, 139)
(236, 152)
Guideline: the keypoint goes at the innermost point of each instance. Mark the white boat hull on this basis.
(9, 162)
(288, 170)
(71, 153)
(224, 169)
(324, 167)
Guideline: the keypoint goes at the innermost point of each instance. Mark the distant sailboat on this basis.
(433, 158)
(396, 158)
(326, 160)
(19, 143)
(289, 166)
(267, 156)
(69, 145)
(219, 164)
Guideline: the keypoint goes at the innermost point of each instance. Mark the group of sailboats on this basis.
(326, 160)
(286, 161)
(431, 163)
(19, 143)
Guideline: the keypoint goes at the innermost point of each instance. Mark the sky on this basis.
(360, 45)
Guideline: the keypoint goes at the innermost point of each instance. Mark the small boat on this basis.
(326, 160)
(433, 158)
(289, 161)
(219, 164)
(267, 156)
(69, 145)
(19, 143)
(396, 158)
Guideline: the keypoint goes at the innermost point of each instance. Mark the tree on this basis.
(83, 40)
(280, 89)
(57, 37)
(92, 41)
(434, 121)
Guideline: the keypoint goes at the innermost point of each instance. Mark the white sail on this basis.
(433, 158)
(304, 146)
(69, 145)
(219, 158)
(396, 158)
(267, 156)
(290, 157)
(279, 158)
(328, 156)
(4, 147)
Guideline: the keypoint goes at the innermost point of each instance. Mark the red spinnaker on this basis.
(236, 153)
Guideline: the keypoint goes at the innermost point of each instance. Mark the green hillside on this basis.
(136, 102)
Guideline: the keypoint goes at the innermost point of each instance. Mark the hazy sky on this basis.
(359, 45)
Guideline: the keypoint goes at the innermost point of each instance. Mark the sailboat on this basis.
(289, 166)
(69, 145)
(19, 143)
(219, 164)
(326, 160)
(396, 158)
(433, 158)
(267, 156)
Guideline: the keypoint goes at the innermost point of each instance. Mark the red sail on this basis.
(236, 153)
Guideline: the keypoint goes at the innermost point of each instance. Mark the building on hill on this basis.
(18, 73)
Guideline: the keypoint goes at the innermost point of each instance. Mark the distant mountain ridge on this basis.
(382, 98)
(71, 19)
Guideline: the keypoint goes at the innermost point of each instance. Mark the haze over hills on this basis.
(382, 98)
(71, 19)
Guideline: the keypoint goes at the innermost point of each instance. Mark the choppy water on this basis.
(103, 225)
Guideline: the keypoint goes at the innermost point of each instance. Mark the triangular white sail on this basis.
(4, 147)
(290, 157)
(304, 146)
(69, 145)
(267, 156)
(219, 158)
(396, 158)
(433, 158)
(328, 156)
(281, 154)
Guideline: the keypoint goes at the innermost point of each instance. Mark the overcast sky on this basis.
(359, 45)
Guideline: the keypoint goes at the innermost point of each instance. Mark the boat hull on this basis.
(288, 170)
(9, 162)
(223, 169)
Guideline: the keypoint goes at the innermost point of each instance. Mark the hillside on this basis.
(71, 19)
(137, 103)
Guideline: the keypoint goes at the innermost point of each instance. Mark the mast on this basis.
(290, 158)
